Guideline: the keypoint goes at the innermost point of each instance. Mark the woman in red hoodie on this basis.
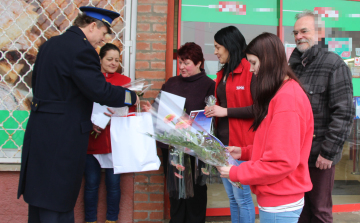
(277, 170)
(100, 143)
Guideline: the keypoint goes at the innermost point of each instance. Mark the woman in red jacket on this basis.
(234, 91)
(277, 170)
(100, 144)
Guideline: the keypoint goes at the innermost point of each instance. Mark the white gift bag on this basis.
(133, 151)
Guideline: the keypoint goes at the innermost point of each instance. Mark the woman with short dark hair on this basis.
(194, 85)
(277, 170)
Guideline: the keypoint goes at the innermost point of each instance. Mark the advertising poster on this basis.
(340, 46)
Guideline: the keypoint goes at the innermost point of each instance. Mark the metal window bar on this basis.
(24, 26)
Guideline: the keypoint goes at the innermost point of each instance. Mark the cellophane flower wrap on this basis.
(179, 180)
(175, 128)
(139, 86)
(214, 175)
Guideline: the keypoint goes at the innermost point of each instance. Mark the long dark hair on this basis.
(232, 39)
(272, 72)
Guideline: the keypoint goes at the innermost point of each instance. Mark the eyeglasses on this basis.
(302, 32)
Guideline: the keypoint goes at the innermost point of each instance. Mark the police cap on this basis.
(104, 15)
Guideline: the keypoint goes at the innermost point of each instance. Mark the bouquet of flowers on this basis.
(175, 128)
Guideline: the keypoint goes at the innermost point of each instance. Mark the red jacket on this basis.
(102, 143)
(238, 94)
(278, 171)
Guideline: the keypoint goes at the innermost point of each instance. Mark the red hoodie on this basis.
(102, 143)
(238, 94)
(278, 171)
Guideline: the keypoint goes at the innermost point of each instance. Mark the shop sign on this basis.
(289, 48)
(340, 46)
(357, 51)
(357, 62)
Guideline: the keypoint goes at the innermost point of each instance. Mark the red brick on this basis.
(156, 188)
(160, 8)
(157, 215)
(152, 1)
(158, 65)
(157, 85)
(141, 188)
(151, 94)
(159, 46)
(148, 206)
(142, 46)
(157, 179)
(160, 171)
(140, 215)
(151, 56)
(141, 197)
(156, 197)
(159, 27)
(144, 8)
(143, 27)
(141, 65)
(141, 179)
(150, 18)
(151, 37)
(150, 75)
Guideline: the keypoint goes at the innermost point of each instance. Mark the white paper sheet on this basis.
(177, 104)
(97, 117)
(105, 160)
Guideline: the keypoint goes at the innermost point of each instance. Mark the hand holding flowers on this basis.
(215, 111)
(224, 171)
(234, 151)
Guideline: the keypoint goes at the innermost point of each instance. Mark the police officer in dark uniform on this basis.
(66, 81)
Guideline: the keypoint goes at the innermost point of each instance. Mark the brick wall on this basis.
(150, 64)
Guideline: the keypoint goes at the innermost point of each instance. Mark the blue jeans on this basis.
(282, 217)
(241, 205)
(92, 182)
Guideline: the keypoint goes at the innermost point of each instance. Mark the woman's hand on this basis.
(224, 171)
(215, 111)
(97, 129)
(146, 106)
(234, 151)
(111, 112)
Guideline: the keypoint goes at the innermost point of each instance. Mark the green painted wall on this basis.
(345, 8)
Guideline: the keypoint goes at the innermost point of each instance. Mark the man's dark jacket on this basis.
(66, 81)
(328, 83)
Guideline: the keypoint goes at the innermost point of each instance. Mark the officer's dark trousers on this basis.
(318, 201)
(42, 215)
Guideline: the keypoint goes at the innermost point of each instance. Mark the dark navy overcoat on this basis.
(66, 81)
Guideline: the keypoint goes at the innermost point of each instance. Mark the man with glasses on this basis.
(328, 82)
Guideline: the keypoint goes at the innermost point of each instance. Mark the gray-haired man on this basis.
(327, 80)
